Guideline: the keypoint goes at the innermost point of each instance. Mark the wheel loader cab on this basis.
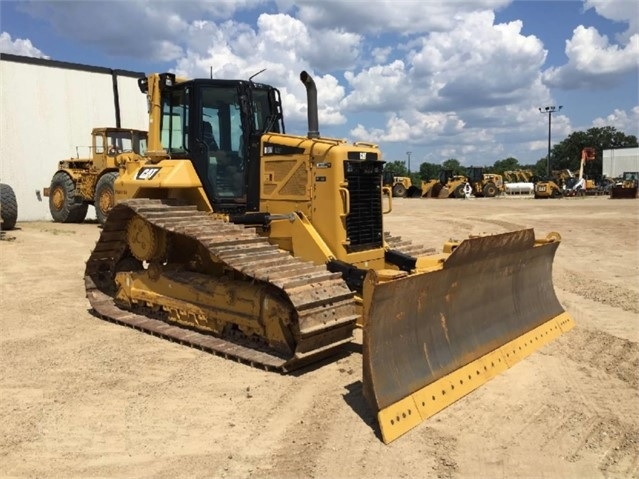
(217, 124)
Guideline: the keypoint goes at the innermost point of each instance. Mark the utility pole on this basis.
(550, 110)
(408, 153)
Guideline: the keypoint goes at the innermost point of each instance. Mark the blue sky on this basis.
(454, 79)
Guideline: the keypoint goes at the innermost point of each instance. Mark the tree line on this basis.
(563, 155)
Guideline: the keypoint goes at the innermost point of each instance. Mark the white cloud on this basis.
(381, 88)
(380, 55)
(627, 122)
(150, 29)
(624, 11)
(280, 44)
(478, 63)
(473, 84)
(19, 46)
(413, 127)
(593, 61)
(400, 16)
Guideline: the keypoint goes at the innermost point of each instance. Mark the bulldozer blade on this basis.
(431, 338)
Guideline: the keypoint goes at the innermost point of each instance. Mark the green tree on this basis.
(506, 164)
(567, 153)
(538, 169)
(396, 168)
(453, 164)
(429, 171)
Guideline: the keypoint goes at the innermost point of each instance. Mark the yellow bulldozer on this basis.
(235, 237)
(80, 182)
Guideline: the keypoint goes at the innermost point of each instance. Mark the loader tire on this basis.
(8, 207)
(490, 190)
(556, 193)
(399, 191)
(104, 198)
(413, 192)
(458, 192)
(62, 203)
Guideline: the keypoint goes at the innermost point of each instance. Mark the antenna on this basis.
(253, 76)
(211, 72)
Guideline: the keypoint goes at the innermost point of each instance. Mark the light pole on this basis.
(550, 110)
(408, 153)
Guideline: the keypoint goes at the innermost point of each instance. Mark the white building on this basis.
(47, 111)
(615, 162)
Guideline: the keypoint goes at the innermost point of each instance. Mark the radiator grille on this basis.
(364, 223)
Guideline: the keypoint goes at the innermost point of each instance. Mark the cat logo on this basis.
(147, 173)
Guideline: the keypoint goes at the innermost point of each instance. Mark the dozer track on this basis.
(321, 306)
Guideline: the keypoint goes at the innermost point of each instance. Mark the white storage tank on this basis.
(519, 188)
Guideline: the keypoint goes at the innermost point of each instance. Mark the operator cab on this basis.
(475, 174)
(114, 141)
(217, 124)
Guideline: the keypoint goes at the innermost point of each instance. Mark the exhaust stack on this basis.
(311, 102)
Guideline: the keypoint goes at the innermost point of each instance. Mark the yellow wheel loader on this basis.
(400, 186)
(627, 186)
(484, 185)
(80, 182)
(237, 238)
(447, 185)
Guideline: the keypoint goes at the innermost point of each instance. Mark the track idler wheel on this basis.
(146, 241)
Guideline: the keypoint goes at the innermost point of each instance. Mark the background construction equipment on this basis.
(80, 182)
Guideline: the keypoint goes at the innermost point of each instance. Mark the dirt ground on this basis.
(81, 397)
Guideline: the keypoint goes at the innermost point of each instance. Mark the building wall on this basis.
(47, 112)
(615, 162)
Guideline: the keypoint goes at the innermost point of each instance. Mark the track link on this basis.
(324, 305)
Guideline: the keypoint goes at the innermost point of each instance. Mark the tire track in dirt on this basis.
(596, 290)
(612, 441)
(583, 425)
(603, 352)
(508, 226)
(296, 409)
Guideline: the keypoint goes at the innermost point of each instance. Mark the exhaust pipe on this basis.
(311, 102)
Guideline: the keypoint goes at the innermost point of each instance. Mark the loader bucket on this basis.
(430, 338)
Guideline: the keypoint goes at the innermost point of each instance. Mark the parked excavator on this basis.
(232, 236)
